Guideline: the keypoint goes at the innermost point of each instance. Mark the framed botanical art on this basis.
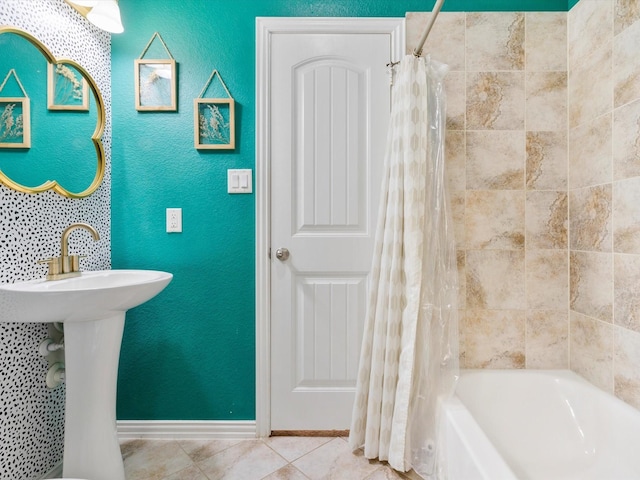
(214, 120)
(155, 85)
(15, 117)
(156, 81)
(15, 131)
(66, 88)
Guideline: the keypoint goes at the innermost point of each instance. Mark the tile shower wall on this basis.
(604, 194)
(506, 148)
(32, 416)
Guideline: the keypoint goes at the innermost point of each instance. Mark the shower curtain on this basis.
(409, 356)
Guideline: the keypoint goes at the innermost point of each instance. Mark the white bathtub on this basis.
(538, 425)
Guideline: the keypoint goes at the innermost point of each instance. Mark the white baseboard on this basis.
(180, 429)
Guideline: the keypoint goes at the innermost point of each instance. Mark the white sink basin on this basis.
(92, 307)
(91, 296)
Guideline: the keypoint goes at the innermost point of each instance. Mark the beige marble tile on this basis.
(626, 375)
(546, 41)
(495, 41)
(153, 460)
(495, 279)
(385, 473)
(591, 284)
(495, 220)
(626, 66)
(589, 27)
(462, 339)
(446, 40)
(494, 339)
(412, 475)
(626, 216)
(626, 141)
(590, 153)
(292, 448)
(626, 12)
(547, 334)
(626, 278)
(335, 461)
(414, 26)
(455, 85)
(495, 101)
(462, 278)
(547, 279)
(199, 450)
(249, 459)
(546, 101)
(591, 350)
(591, 87)
(590, 219)
(546, 164)
(495, 160)
(190, 473)
(455, 161)
(546, 220)
(288, 472)
(457, 202)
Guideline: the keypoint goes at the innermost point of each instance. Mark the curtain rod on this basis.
(432, 19)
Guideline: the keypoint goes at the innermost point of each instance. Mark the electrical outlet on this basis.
(174, 220)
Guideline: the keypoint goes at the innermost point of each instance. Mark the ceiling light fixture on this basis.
(104, 14)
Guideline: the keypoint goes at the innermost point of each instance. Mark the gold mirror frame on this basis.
(96, 138)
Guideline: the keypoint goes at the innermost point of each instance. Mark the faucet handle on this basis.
(55, 265)
(72, 263)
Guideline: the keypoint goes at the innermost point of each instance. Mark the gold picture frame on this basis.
(214, 123)
(66, 88)
(214, 119)
(155, 85)
(96, 136)
(15, 122)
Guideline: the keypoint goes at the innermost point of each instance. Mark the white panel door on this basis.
(330, 98)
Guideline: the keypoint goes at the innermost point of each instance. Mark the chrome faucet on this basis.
(66, 265)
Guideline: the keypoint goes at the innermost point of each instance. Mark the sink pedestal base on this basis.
(92, 353)
(92, 307)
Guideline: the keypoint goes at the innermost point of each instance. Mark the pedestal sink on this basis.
(92, 308)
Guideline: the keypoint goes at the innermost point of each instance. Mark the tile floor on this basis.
(275, 458)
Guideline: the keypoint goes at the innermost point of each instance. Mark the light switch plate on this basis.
(239, 181)
(174, 220)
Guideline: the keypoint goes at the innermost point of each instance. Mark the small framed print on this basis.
(15, 122)
(67, 89)
(155, 85)
(214, 123)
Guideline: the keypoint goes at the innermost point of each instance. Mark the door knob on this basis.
(282, 254)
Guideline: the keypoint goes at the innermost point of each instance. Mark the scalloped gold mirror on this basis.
(51, 127)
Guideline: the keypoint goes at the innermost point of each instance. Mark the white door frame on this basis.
(265, 27)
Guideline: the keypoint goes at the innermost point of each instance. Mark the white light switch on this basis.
(239, 181)
(174, 220)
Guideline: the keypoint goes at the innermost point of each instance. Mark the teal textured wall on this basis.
(189, 353)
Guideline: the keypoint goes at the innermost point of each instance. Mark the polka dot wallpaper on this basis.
(31, 415)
